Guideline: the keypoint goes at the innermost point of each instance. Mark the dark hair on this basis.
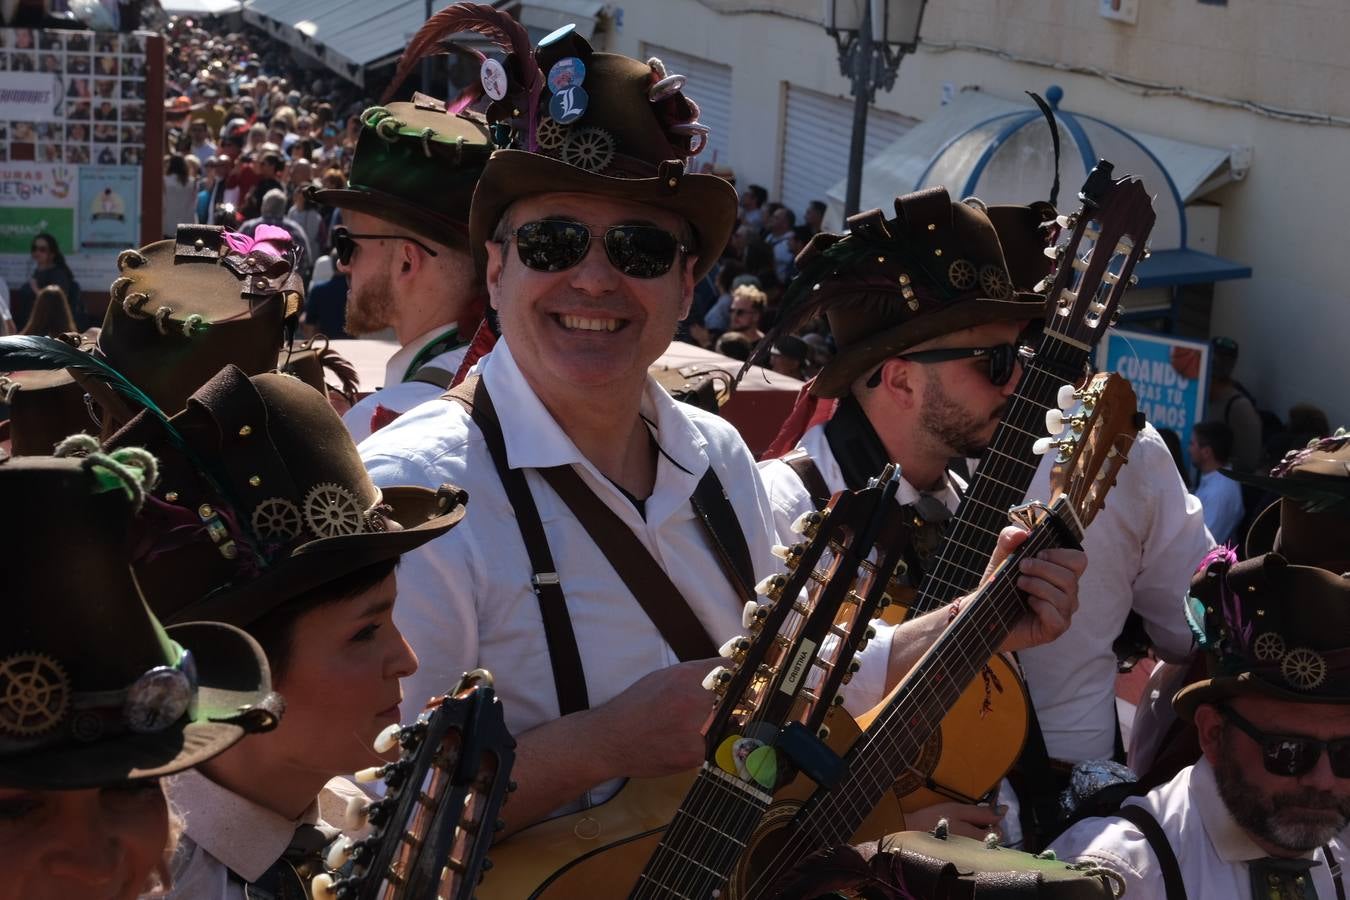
(275, 632)
(730, 271)
(1173, 442)
(58, 260)
(178, 167)
(1217, 436)
(817, 205)
(276, 160)
(802, 233)
(51, 315)
(760, 194)
(1304, 418)
(791, 216)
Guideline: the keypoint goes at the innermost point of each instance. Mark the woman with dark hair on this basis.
(49, 268)
(180, 195)
(51, 316)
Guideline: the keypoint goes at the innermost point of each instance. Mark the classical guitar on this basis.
(781, 682)
(432, 829)
(1091, 451)
(1101, 243)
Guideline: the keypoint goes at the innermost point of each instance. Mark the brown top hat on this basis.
(44, 407)
(415, 165)
(1269, 627)
(93, 691)
(890, 284)
(1024, 232)
(600, 123)
(1310, 523)
(261, 497)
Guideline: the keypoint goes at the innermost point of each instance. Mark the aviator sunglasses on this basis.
(1292, 755)
(638, 251)
(1002, 360)
(344, 242)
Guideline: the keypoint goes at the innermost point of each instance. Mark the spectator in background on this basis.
(1233, 405)
(326, 307)
(201, 145)
(718, 319)
(815, 216)
(753, 199)
(269, 166)
(216, 190)
(797, 241)
(303, 213)
(1211, 447)
(781, 223)
(788, 357)
(1306, 423)
(49, 268)
(735, 345)
(747, 308)
(274, 213)
(180, 195)
(7, 325)
(1173, 442)
(51, 316)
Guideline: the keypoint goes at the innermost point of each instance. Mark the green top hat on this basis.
(93, 691)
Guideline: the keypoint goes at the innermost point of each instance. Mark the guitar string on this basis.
(992, 610)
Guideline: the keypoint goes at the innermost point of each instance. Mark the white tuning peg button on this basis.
(728, 650)
(749, 614)
(1066, 397)
(1054, 424)
(354, 817)
(766, 585)
(374, 773)
(716, 678)
(805, 522)
(780, 551)
(338, 853)
(388, 739)
(321, 888)
(1041, 447)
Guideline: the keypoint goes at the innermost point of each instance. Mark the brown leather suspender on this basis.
(649, 584)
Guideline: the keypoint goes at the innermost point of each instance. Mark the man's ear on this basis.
(496, 261)
(898, 381)
(687, 282)
(1209, 727)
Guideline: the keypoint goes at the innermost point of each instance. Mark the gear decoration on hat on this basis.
(1303, 668)
(550, 135)
(277, 519)
(332, 510)
(962, 274)
(588, 148)
(1268, 647)
(34, 694)
(995, 282)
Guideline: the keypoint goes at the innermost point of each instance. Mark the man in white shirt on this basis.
(779, 240)
(404, 246)
(1210, 449)
(589, 269)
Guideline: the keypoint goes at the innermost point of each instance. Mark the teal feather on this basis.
(26, 352)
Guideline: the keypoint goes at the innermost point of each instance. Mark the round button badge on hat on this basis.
(493, 76)
(568, 105)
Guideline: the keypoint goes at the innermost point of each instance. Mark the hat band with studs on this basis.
(38, 708)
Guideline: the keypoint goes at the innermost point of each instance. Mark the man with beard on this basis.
(404, 247)
(1261, 814)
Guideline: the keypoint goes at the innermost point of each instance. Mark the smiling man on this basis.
(615, 533)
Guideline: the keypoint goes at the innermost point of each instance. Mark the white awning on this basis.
(201, 7)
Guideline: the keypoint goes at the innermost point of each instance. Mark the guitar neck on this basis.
(929, 691)
(1003, 477)
(705, 839)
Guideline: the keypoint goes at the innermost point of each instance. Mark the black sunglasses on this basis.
(344, 242)
(1292, 755)
(1002, 360)
(638, 251)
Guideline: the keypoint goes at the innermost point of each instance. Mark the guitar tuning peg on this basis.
(789, 555)
(1066, 222)
(717, 680)
(511, 787)
(770, 586)
(752, 616)
(1067, 397)
(366, 776)
(1054, 421)
(853, 666)
(1043, 285)
(823, 732)
(338, 853)
(321, 887)
(1043, 445)
(387, 739)
(737, 645)
(355, 816)
(1056, 252)
(807, 523)
(1134, 279)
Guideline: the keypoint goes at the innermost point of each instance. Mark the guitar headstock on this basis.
(1094, 442)
(1103, 241)
(784, 676)
(438, 816)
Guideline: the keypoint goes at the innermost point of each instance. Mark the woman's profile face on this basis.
(98, 844)
(42, 253)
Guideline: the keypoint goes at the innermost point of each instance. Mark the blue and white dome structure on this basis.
(1001, 151)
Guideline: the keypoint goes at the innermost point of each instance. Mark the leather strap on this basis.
(1162, 848)
(801, 463)
(569, 678)
(1334, 866)
(649, 584)
(441, 378)
(714, 508)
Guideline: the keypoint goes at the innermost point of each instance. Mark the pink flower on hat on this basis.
(269, 239)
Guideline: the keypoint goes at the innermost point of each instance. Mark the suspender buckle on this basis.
(541, 579)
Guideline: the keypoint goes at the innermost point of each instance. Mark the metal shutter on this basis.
(710, 87)
(816, 134)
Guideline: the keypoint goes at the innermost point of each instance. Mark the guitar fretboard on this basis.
(705, 839)
(1002, 479)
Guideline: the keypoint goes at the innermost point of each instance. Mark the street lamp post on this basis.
(872, 37)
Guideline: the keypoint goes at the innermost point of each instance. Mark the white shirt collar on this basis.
(397, 367)
(243, 836)
(1231, 841)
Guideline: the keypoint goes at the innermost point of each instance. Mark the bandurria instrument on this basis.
(1091, 452)
(438, 816)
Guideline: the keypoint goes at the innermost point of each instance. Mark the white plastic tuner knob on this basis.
(354, 817)
(805, 522)
(1042, 446)
(728, 650)
(1066, 397)
(750, 614)
(338, 853)
(1054, 424)
(374, 773)
(716, 679)
(321, 888)
(781, 551)
(387, 739)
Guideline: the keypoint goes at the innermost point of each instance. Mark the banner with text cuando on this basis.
(1170, 376)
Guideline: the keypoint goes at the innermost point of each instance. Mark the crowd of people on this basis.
(270, 583)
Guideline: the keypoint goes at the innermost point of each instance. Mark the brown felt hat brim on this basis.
(837, 376)
(232, 673)
(707, 202)
(1214, 690)
(397, 211)
(325, 560)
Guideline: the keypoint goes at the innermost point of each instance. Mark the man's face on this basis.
(370, 277)
(198, 133)
(814, 216)
(779, 223)
(744, 314)
(589, 325)
(749, 200)
(1285, 814)
(961, 408)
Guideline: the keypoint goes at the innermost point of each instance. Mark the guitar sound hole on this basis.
(914, 777)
